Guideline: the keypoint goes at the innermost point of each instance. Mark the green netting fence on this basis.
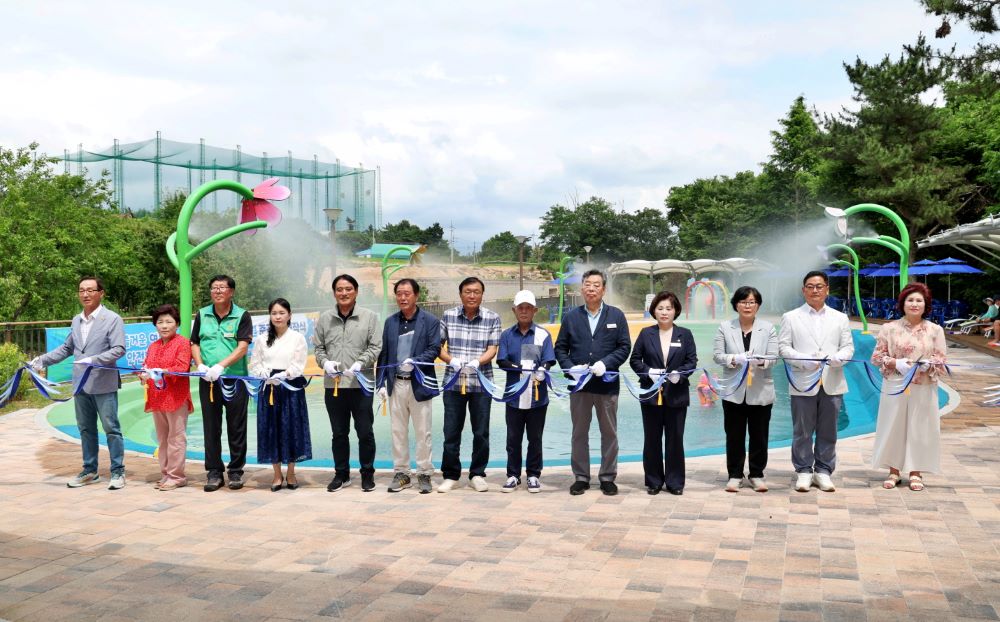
(143, 173)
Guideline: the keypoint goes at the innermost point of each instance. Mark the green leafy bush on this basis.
(12, 358)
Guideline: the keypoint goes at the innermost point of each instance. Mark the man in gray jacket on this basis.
(347, 340)
(97, 337)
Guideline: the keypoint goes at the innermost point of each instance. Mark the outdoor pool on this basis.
(704, 434)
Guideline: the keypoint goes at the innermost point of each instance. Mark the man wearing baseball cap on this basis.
(526, 351)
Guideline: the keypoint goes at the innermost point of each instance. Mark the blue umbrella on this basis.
(841, 272)
(866, 270)
(952, 266)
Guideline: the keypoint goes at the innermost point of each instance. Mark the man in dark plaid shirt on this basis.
(472, 334)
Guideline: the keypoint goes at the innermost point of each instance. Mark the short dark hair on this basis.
(813, 273)
(413, 284)
(743, 293)
(96, 279)
(595, 272)
(669, 297)
(344, 277)
(167, 309)
(468, 280)
(230, 281)
(915, 288)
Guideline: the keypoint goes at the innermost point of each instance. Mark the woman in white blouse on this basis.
(279, 357)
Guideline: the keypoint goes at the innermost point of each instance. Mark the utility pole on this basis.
(452, 227)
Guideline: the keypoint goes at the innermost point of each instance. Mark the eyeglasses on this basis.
(814, 288)
(748, 303)
(217, 290)
(88, 291)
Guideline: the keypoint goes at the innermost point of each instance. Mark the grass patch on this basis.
(31, 399)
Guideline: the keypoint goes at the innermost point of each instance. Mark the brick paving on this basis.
(862, 553)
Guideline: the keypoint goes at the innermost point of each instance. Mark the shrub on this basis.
(11, 358)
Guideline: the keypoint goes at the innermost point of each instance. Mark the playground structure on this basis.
(713, 300)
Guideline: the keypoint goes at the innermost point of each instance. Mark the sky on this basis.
(480, 114)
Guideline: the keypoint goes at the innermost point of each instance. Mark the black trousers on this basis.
(738, 419)
(350, 403)
(663, 446)
(212, 405)
(519, 420)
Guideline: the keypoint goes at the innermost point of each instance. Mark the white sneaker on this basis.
(511, 485)
(803, 481)
(447, 485)
(534, 485)
(759, 484)
(823, 482)
(117, 481)
(82, 479)
(479, 484)
(733, 485)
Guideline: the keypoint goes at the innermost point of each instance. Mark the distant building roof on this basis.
(379, 251)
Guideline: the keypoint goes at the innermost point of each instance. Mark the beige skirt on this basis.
(908, 432)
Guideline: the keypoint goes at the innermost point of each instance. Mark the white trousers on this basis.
(402, 408)
(908, 432)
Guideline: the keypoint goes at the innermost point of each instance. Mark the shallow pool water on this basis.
(703, 434)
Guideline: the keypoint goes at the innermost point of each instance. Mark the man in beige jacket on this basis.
(347, 340)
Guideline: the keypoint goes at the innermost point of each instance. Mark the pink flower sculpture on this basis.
(260, 207)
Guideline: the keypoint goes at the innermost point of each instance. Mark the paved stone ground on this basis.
(862, 553)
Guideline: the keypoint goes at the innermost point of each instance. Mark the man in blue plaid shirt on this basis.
(472, 334)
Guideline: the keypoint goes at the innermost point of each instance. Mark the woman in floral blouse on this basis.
(908, 432)
(171, 403)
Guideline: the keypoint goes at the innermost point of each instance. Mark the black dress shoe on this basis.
(675, 491)
(609, 488)
(652, 490)
(578, 488)
(292, 485)
(367, 482)
(277, 487)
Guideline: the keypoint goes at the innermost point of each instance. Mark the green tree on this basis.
(501, 247)
(791, 173)
(983, 18)
(887, 150)
(719, 217)
(51, 231)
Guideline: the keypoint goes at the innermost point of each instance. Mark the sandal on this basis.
(916, 483)
(891, 482)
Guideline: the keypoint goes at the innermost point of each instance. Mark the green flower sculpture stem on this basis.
(182, 253)
(854, 266)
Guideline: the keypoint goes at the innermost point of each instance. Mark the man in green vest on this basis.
(219, 339)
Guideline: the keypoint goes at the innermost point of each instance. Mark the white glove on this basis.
(382, 394)
(36, 364)
(214, 372)
(407, 366)
(674, 377)
(925, 365)
(738, 360)
(577, 371)
(330, 367)
(203, 369)
(834, 361)
(655, 374)
(598, 368)
(539, 375)
(473, 364)
(355, 368)
(456, 363)
(277, 378)
(84, 361)
(812, 365)
(903, 366)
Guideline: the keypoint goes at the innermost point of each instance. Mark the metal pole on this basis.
(156, 172)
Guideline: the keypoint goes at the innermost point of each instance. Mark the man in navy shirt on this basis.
(594, 337)
(526, 351)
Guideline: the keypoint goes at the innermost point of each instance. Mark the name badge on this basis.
(675, 344)
(612, 326)
(229, 335)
